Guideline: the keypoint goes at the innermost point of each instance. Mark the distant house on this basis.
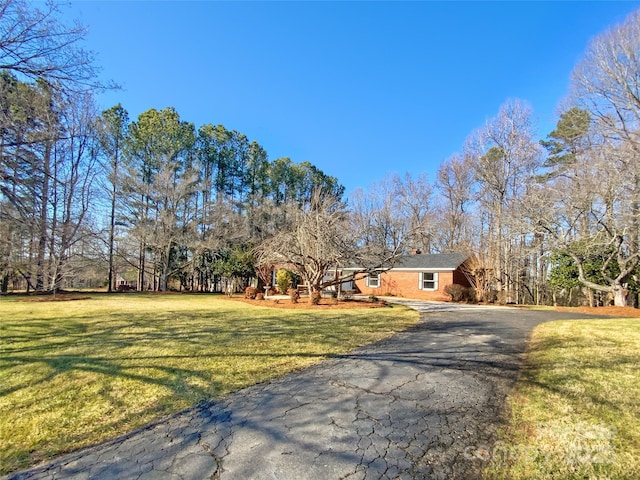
(123, 285)
(419, 276)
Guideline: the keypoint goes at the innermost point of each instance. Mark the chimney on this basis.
(416, 251)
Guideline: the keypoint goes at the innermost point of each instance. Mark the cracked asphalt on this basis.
(418, 405)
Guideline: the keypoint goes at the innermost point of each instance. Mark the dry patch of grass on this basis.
(53, 298)
(575, 413)
(76, 373)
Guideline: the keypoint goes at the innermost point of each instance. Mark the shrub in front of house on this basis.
(315, 297)
(454, 291)
(283, 280)
(471, 296)
(260, 296)
(491, 296)
(250, 293)
(294, 294)
(459, 293)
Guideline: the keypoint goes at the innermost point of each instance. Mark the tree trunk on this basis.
(42, 226)
(570, 297)
(591, 296)
(163, 270)
(112, 228)
(141, 267)
(619, 296)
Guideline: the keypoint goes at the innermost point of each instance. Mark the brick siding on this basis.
(407, 284)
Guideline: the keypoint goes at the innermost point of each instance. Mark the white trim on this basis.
(422, 281)
(377, 277)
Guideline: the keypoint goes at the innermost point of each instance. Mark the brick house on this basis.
(419, 276)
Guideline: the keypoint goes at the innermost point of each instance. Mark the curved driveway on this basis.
(417, 405)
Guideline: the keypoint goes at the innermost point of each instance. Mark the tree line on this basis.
(90, 198)
(184, 205)
(547, 220)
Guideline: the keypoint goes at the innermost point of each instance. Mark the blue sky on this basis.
(359, 89)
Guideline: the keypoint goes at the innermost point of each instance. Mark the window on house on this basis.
(373, 281)
(429, 281)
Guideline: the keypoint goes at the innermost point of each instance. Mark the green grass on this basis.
(575, 413)
(78, 372)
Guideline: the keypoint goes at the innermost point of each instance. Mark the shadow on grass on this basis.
(123, 344)
(472, 360)
(188, 354)
(561, 368)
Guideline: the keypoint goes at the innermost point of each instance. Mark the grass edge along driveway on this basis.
(76, 373)
(575, 412)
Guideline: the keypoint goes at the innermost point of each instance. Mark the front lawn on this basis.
(75, 373)
(575, 413)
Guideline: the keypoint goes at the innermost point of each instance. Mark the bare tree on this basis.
(605, 83)
(36, 44)
(314, 244)
(504, 156)
(112, 126)
(46, 171)
(322, 239)
(590, 202)
(374, 219)
(171, 227)
(605, 198)
(414, 206)
(395, 213)
(455, 183)
(73, 186)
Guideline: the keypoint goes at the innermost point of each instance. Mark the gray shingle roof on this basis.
(424, 261)
(434, 261)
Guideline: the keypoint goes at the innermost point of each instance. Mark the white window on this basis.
(429, 281)
(373, 281)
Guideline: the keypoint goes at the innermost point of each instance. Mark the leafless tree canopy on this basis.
(36, 45)
(326, 244)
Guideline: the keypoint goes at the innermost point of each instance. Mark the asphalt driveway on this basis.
(419, 405)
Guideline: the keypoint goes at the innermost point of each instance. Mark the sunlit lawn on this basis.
(576, 411)
(74, 373)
